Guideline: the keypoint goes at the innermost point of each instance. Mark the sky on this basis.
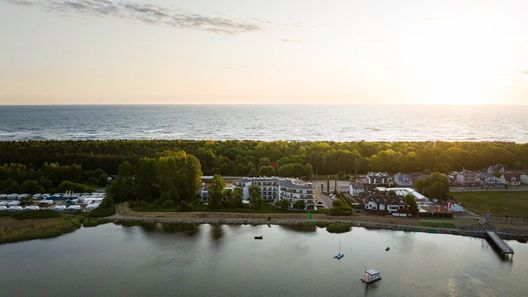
(263, 52)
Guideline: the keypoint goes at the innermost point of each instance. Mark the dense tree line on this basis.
(51, 177)
(169, 180)
(287, 158)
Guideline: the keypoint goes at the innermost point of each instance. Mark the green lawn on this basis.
(266, 208)
(498, 203)
(439, 223)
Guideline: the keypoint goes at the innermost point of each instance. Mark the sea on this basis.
(266, 122)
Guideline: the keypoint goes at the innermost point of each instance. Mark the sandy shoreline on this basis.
(124, 213)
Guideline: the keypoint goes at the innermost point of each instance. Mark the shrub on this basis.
(32, 215)
(339, 212)
(107, 208)
(67, 185)
(338, 228)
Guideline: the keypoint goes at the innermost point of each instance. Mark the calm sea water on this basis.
(267, 122)
(215, 260)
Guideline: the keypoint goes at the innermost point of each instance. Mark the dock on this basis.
(500, 245)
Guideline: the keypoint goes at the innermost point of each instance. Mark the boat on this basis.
(259, 237)
(387, 249)
(340, 253)
(370, 276)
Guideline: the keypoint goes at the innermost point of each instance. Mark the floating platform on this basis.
(500, 245)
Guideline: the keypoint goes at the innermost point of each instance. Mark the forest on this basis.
(49, 178)
(283, 158)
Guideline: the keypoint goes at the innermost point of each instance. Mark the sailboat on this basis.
(340, 254)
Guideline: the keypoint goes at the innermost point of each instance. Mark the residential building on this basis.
(273, 189)
(403, 179)
(295, 190)
(379, 178)
(524, 178)
(390, 200)
(268, 186)
(382, 203)
(468, 178)
(511, 178)
(355, 189)
(490, 180)
(204, 192)
(496, 168)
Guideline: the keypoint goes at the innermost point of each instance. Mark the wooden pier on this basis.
(500, 245)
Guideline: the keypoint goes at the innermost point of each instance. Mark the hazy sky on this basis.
(263, 51)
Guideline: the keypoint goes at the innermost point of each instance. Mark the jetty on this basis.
(500, 245)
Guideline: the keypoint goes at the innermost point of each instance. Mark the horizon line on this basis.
(258, 104)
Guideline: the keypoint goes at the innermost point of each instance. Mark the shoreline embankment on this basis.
(124, 213)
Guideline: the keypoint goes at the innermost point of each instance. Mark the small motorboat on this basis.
(387, 249)
(339, 256)
(370, 276)
(259, 237)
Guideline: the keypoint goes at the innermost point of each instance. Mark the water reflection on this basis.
(189, 230)
(216, 232)
(300, 228)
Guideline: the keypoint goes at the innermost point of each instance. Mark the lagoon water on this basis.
(267, 122)
(225, 260)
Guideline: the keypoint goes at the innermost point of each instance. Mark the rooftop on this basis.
(293, 183)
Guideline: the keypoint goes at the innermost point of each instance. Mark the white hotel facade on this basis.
(273, 189)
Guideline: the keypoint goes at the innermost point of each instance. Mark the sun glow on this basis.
(458, 61)
(346, 52)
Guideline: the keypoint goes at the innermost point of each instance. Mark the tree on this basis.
(46, 184)
(146, 180)
(31, 187)
(9, 186)
(283, 204)
(216, 191)
(337, 203)
(67, 185)
(102, 180)
(264, 162)
(410, 204)
(437, 190)
(180, 170)
(254, 196)
(299, 204)
(123, 188)
(253, 172)
(435, 186)
(171, 196)
(236, 198)
(126, 169)
(266, 171)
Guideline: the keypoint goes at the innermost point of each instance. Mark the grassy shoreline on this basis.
(13, 230)
(22, 226)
